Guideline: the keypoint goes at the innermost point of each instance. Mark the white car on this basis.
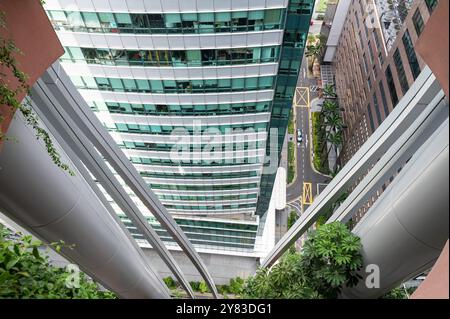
(299, 136)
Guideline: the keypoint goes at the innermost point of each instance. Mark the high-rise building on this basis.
(208, 78)
(372, 50)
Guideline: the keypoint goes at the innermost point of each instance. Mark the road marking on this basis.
(306, 140)
(301, 97)
(301, 202)
(307, 193)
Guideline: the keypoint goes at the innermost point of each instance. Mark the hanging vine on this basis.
(9, 97)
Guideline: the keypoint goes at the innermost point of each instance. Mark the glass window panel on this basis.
(129, 84)
(206, 17)
(116, 84)
(238, 83)
(103, 83)
(256, 53)
(91, 20)
(265, 82)
(256, 15)
(223, 16)
(225, 83)
(251, 83)
(189, 16)
(149, 107)
(139, 20)
(155, 20)
(267, 52)
(193, 56)
(90, 82)
(58, 16)
(239, 14)
(175, 107)
(76, 53)
(157, 86)
(272, 16)
(172, 18)
(75, 19)
(107, 20)
(143, 85)
(123, 20)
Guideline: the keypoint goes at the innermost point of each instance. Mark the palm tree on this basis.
(335, 140)
(329, 92)
(335, 123)
(314, 51)
(329, 107)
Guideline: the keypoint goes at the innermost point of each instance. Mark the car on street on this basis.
(299, 135)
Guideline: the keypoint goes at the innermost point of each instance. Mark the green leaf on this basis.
(12, 263)
(36, 253)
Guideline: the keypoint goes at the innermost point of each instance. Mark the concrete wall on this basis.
(221, 267)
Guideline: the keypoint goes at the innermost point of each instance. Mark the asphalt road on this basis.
(308, 182)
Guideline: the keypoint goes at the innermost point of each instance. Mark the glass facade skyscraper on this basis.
(207, 78)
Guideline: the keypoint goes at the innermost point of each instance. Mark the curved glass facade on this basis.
(167, 23)
(182, 110)
(172, 58)
(199, 59)
(174, 86)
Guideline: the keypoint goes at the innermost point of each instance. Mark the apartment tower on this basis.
(372, 50)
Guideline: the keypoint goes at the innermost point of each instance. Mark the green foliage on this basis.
(329, 91)
(177, 294)
(223, 289)
(329, 260)
(292, 218)
(26, 273)
(291, 129)
(9, 96)
(322, 6)
(237, 286)
(320, 163)
(291, 162)
(396, 293)
(170, 283)
(203, 287)
(314, 50)
(194, 285)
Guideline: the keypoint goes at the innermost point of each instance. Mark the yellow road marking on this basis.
(307, 193)
(301, 97)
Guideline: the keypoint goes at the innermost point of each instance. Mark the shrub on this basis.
(318, 162)
(292, 218)
(329, 260)
(194, 285)
(26, 273)
(202, 287)
(237, 285)
(291, 162)
(223, 289)
(291, 129)
(170, 283)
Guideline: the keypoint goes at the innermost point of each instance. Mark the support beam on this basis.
(405, 230)
(72, 103)
(79, 148)
(55, 206)
(421, 93)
